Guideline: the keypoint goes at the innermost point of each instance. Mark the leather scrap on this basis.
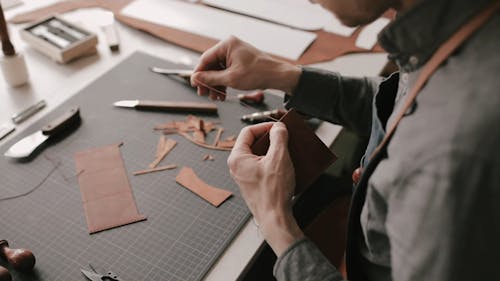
(195, 130)
(166, 146)
(106, 194)
(211, 194)
(160, 146)
(326, 47)
(310, 156)
(208, 157)
(218, 135)
(157, 169)
(204, 145)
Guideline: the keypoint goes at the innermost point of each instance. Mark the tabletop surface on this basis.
(55, 83)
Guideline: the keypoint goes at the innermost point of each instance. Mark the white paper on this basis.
(298, 14)
(367, 38)
(294, 13)
(7, 4)
(334, 25)
(272, 38)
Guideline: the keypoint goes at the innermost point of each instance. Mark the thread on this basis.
(230, 97)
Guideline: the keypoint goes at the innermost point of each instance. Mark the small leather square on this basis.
(310, 156)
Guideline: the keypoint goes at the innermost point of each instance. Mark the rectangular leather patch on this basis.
(310, 156)
(106, 194)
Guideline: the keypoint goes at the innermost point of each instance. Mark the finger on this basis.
(249, 135)
(213, 57)
(202, 91)
(278, 141)
(211, 78)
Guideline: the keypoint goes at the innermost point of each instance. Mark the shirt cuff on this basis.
(315, 92)
(303, 261)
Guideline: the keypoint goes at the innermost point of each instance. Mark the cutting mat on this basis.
(183, 235)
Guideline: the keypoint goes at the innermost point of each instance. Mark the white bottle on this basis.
(14, 70)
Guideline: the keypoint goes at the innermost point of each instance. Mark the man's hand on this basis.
(267, 183)
(234, 63)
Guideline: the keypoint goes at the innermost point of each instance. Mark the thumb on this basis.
(278, 138)
(211, 78)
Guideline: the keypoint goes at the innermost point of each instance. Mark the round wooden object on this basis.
(20, 259)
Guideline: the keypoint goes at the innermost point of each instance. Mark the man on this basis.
(432, 208)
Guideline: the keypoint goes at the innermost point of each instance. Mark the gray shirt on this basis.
(432, 209)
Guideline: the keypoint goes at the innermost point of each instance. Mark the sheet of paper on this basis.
(367, 38)
(298, 14)
(334, 25)
(6, 4)
(272, 38)
(295, 13)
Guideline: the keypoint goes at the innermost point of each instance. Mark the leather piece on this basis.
(211, 194)
(310, 156)
(326, 47)
(166, 147)
(157, 169)
(106, 194)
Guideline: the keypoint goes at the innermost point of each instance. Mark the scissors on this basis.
(94, 276)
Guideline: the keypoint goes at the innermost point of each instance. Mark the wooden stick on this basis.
(7, 47)
(157, 169)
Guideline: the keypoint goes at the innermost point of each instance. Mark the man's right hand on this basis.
(236, 64)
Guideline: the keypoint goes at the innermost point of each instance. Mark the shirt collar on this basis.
(413, 37)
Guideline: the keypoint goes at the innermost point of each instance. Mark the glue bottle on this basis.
(13, 65)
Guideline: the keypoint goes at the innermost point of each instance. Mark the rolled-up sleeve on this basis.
(303, 261)
(346, 101)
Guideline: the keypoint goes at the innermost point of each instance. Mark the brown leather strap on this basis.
(435, 61)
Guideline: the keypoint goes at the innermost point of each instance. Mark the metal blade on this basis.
(172, 71)
(26, 146)
(91, 275)
(126, 103)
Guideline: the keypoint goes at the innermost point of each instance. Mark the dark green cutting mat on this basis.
(183, 235)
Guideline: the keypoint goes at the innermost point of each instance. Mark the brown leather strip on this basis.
(106, 194)
(160, 146)
(167, 146)
(157, 169)
(217, 136)
(213, 195)
(444, 51)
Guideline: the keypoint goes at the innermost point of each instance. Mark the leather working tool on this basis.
(171, 106)
(24, 147)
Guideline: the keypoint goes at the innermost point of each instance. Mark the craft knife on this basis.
(203, 107)
(24, 147)
(263, 116)
(184, 73)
